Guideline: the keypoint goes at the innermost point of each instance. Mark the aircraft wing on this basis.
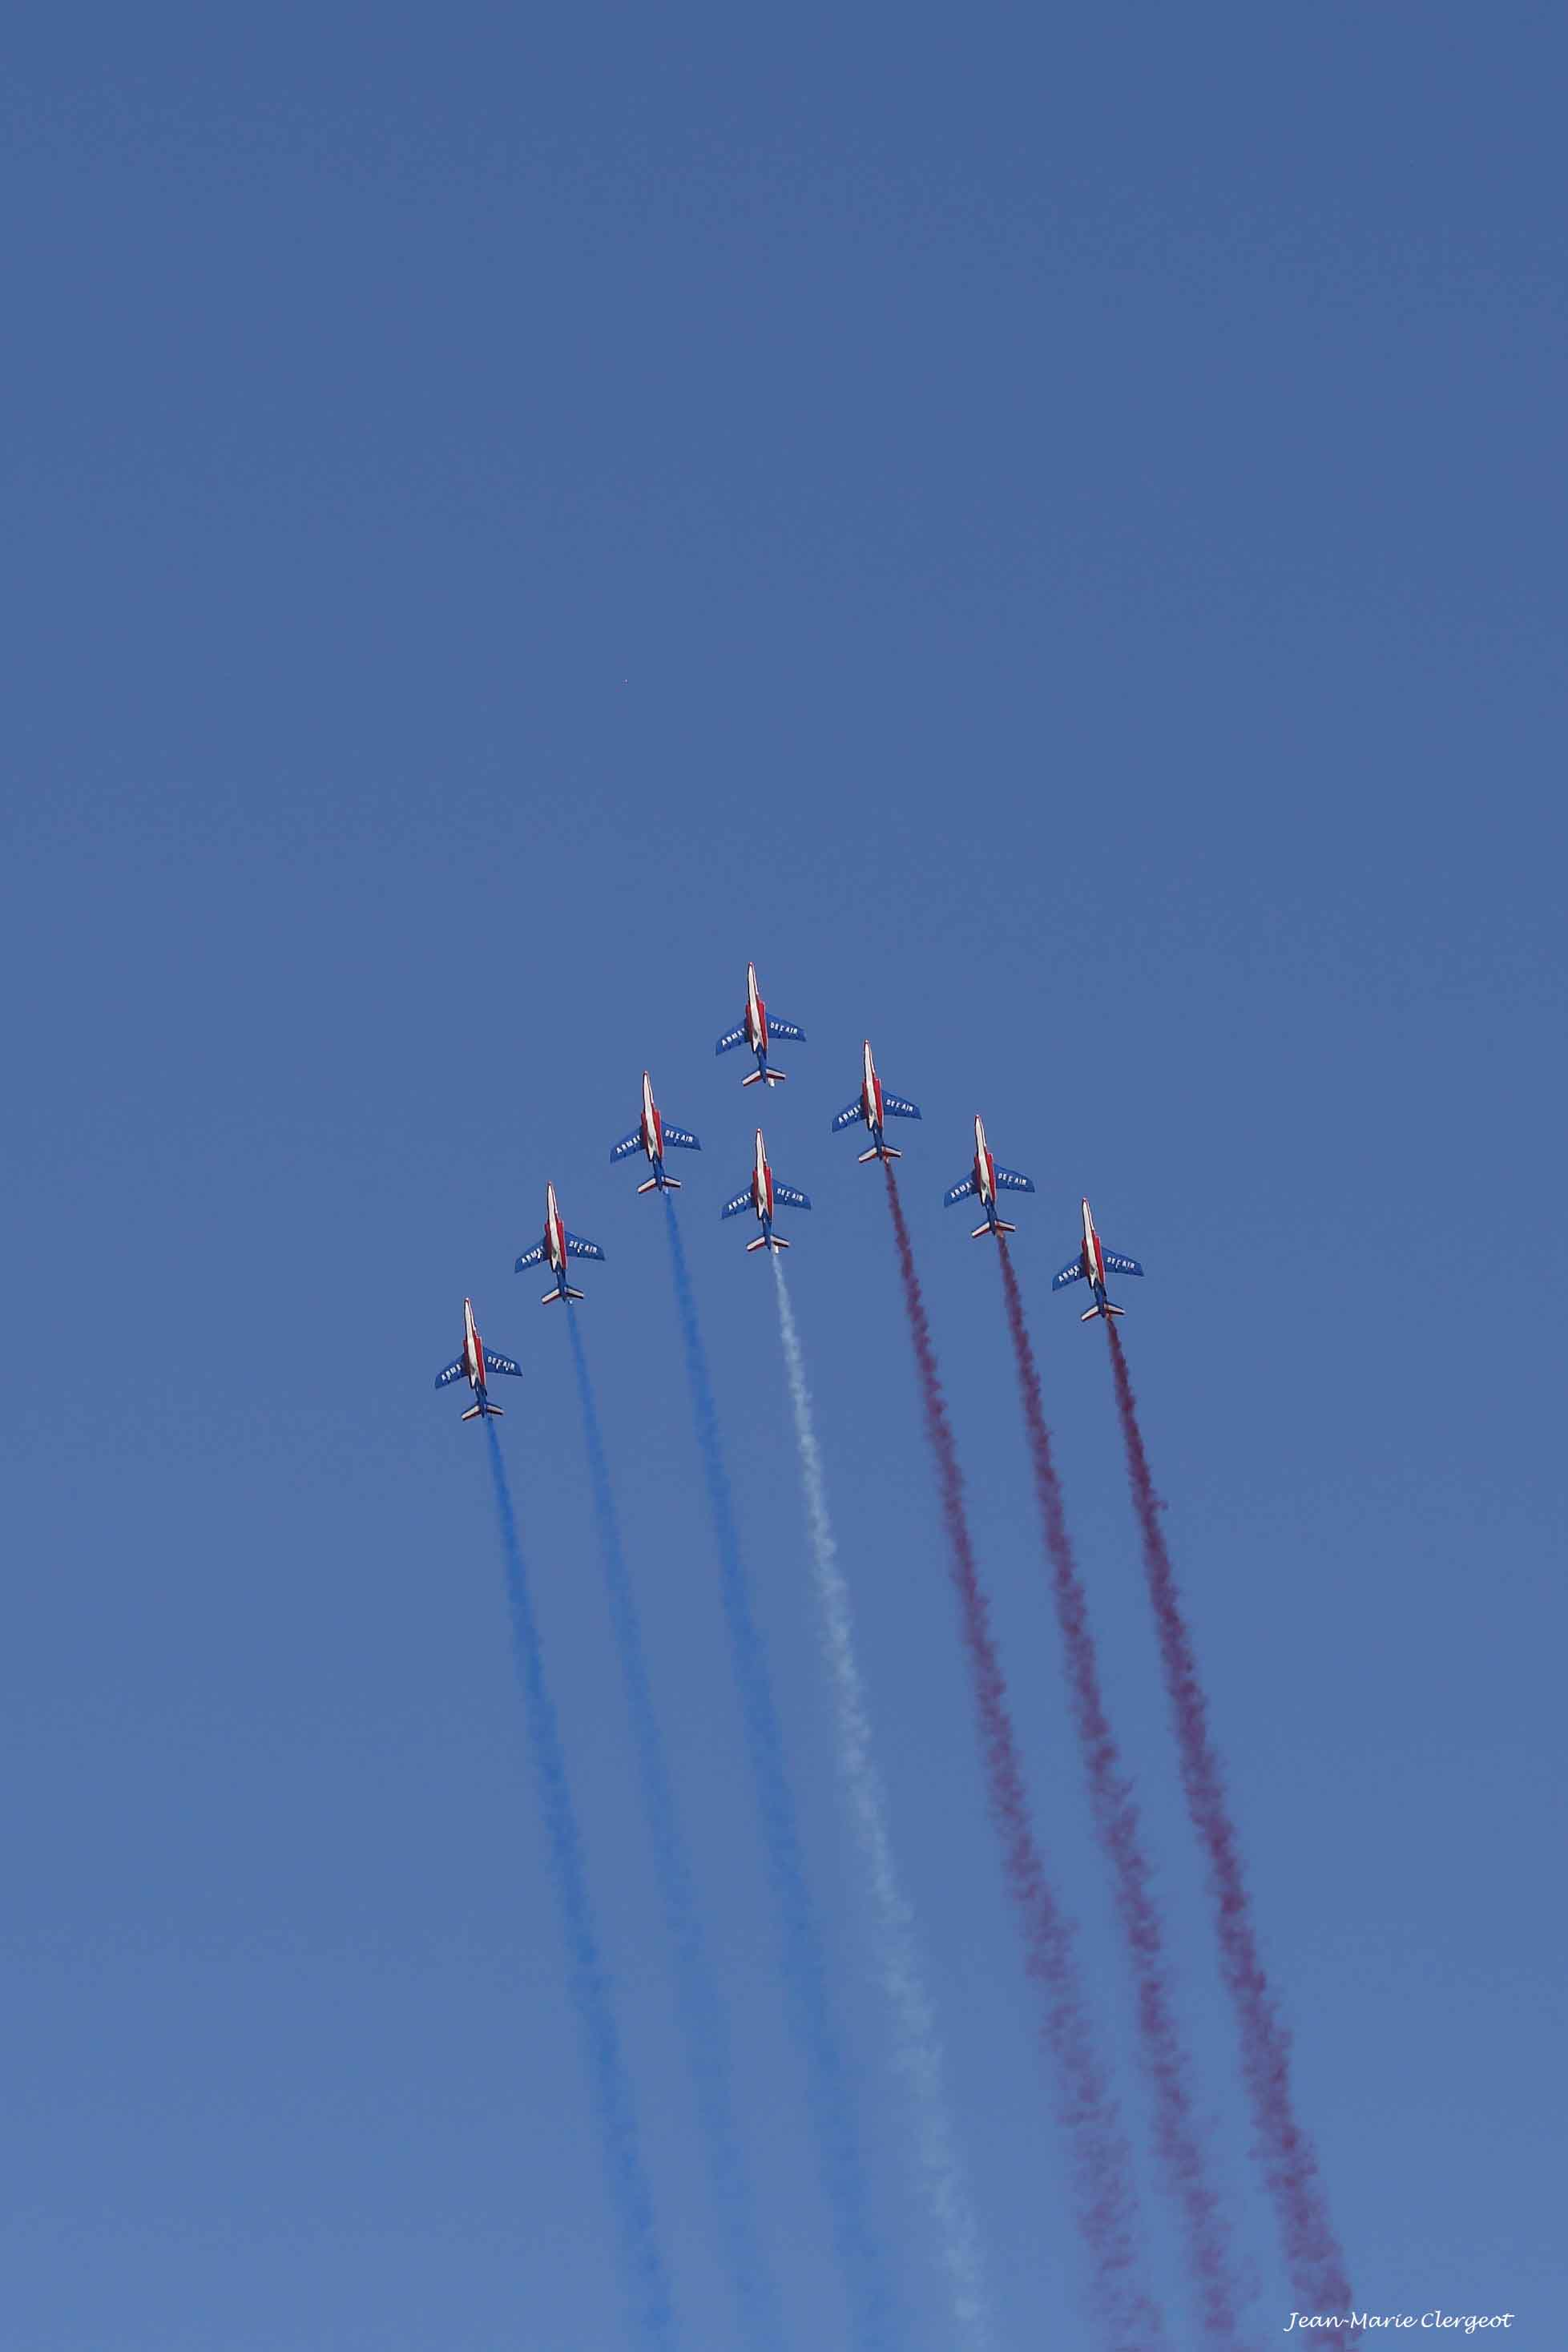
(788, 1195)
(632, 1142)
(736, 1036)
(453, 1372)
(1114, 1264)
(960, 1191)
(1071, 1272)
(536, 1256)
(496, 1363)
(847, 1117)
(741, 1200)
(1011, 1181)
(777, 1028)
(683, 1136)
(578, 1247)
(898, 1106)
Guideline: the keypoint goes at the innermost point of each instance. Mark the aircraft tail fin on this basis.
(483, 1409)
(1106, 1309)
(660, 1184)
(880, 1151)
(1000, 1226)
(564, 1291)
(767, 1241)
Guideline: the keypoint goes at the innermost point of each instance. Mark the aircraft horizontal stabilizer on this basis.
(886, 1151)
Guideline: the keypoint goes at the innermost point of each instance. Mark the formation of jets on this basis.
(654, 1135)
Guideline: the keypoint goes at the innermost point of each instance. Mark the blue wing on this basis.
(578, 1247)
(898, 1106)
(848, 1116)
(777, 1028)
(496, 1363)
(731, 1037)
(530, 1257)
(1072, 1272)
(789, 1197)
(1115, 1265)
(1009, 1181)
(632, 1142)
(741, 1200)
(452, 1373)
(683, 1136)
(959, 1191)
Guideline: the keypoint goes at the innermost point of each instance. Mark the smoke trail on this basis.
(1289, 2161)
(919, 2050)
(1177, 2133)
(805, 1978)
(1102, 2187)
(629, 2189)
(704, 2026)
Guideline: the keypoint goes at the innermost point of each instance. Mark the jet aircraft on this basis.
(557, 1246)
(653, 1134)
(763, 1193)
(1095, 1261)
(475, 1365)
(982, 1181)
(754, 1029)
(872, 1105)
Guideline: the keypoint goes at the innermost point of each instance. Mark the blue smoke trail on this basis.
(646, 2281)
(805, 1972)
(704, 2026)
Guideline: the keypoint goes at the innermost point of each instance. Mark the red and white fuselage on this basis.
(555, 1233)
(756, 1014)
(653, 1125)
(871, 1093)
(1093, 1254)
(762, 1185)
(473, 1350)
(985, 1167)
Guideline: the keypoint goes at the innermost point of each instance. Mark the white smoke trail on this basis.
(917, 2047)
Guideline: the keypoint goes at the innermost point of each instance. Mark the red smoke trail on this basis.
(1177, 2132)
(1102, 2176)
(1290, 2165)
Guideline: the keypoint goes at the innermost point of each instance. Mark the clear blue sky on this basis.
(1045, 530)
